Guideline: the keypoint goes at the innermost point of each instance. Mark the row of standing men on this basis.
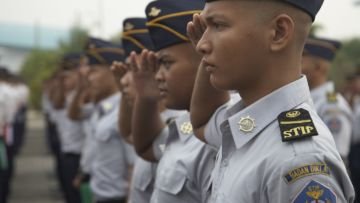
(13, 107)
(127, 124)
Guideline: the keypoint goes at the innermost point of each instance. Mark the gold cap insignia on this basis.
(247, 124)
(293, 114)
(92, 46)
(154, 12)
(315, 192)
(129, 26)
(186, 128)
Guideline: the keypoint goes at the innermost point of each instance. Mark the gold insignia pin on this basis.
(129, 26)
(92, 46)
(154, 12)
(107, 106)
(247, 124)
(293, 114)
(186, 128)
(315, 192)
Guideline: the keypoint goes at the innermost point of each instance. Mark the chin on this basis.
(220, 84)
(173, 104)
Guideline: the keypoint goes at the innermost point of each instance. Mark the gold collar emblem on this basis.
(247, 124)
(154, 12)
(186, 128)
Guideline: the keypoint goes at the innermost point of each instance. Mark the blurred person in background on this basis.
(331, 106)
(13, 99)
(112, 161)
(70, 132)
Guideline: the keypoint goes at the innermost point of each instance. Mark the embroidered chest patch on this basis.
(296, 124)
(315, 192)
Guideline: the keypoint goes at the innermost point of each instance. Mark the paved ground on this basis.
(34, 178)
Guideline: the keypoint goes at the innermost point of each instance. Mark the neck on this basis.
(268, 82)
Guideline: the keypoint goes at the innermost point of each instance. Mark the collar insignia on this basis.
(186, 128)
(247, 124)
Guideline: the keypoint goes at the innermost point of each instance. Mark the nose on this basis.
(203, 46)
(159, 76)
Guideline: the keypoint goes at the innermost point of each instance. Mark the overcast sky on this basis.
(340, 18)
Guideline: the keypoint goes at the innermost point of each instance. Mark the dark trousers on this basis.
(70, 165)
(53, 143)
(3, 195)
(117, 200)
(354, 167)
(19, 129)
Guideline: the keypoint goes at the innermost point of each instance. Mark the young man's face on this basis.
(70, 79)
(309, 68)
(233, 44)
(100, 80)
(176, 76)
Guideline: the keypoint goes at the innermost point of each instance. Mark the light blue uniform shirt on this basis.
(143, 177)
(255, 165)
(334, 110)
(113, 156)
(185, 165)
(70, 132)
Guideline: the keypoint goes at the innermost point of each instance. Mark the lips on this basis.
(162, 89)
(210, 67)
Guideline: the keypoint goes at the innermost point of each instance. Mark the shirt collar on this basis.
(184, 128)
(266, 110)
(321, 90)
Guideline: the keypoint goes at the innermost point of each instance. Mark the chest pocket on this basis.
(144, 178)
(171, 181)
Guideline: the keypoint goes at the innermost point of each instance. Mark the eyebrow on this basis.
(210, 17)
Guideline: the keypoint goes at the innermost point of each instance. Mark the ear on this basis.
(282, 33)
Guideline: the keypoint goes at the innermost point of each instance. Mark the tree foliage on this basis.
(41, 64)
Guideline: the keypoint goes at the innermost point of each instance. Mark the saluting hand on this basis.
(118, 69)
(195, 29)
(144, 68)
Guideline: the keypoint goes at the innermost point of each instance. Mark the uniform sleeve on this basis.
(340, 126)
(310, 178)
(212, 129)
(159, 143)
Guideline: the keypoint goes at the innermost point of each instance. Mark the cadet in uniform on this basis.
(113, 157)
(70, 132)
(332, 107)
(273, 147)
(184, 161)
(135, 37)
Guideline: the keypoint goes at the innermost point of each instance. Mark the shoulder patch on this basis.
(296, 124)
(307, 170)
(331, 97)
(315, 192)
